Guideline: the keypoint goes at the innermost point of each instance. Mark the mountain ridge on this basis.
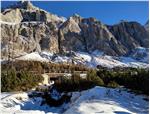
(39, 30)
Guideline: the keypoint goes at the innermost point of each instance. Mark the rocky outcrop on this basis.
(26, 28)
(25, 12)
(130, 35)
(80, 34)
(29, 37)
(89, 34)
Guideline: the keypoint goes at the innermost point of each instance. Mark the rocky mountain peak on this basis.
(76, 17)
(27, 5)
(71, 25)
(25, 11)
(37, 29)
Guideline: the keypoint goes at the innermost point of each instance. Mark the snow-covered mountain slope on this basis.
(96, 100)
(93, 59)
(141, 54)
(33, 57)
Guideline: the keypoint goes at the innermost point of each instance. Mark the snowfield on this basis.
(93, 101)
(139, 58)
(107, 101)
(33, 57)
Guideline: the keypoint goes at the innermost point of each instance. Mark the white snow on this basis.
(96, 100)
(130, 62)
(97, 53)
(20, 103)
(106, 101)
(34, 57)
(90, 60)
(46, 55)
(8, 23)
(107, 61)
(61, 59)
(98, 58)
(141, 54)
(84, 56)
(93, 59)
(63, 19)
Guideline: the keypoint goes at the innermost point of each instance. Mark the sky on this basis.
(108, 12)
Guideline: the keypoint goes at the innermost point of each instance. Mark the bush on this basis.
(113, 84)
(99, 81)
(12, 80)
(133, 78)
(41, 67)
(92, 76)
(75, 83)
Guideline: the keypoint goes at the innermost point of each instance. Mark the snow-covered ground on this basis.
(140, 58)
(33, 57)
(107, 101)
(93, 101)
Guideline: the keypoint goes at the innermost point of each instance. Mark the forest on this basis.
(24, 75)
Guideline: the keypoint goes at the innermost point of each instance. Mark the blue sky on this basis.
(107, 12)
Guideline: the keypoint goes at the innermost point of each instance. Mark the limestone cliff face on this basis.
(25, 12)
(130, 35)
(29, 37)
(89, 34)
(26, 28)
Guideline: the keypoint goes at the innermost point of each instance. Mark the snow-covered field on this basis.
(139, 58)
(93, 101)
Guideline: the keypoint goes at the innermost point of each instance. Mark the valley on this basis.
(51, 64)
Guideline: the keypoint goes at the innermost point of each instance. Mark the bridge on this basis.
(48, 77)
(55, 75)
